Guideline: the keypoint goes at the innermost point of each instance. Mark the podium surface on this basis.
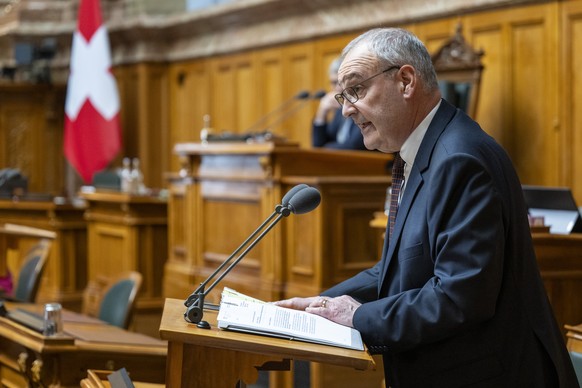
(220, 358)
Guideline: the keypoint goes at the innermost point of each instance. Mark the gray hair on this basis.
(398, 47)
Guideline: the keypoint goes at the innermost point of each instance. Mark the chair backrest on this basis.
(31, 271)
(458, 66)
(118, 300)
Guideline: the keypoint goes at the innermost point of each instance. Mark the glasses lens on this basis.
(351, 95)
(339, 98)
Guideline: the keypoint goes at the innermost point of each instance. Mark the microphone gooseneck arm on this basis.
(286, 105)
(300, 199)
(191, 299)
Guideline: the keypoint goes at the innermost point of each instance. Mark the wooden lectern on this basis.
(218, 358)
(225, 190)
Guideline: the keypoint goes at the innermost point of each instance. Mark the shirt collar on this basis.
(410, 147)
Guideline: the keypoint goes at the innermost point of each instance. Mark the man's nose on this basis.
(348, 108)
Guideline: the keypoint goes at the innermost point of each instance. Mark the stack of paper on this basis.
(240, 312)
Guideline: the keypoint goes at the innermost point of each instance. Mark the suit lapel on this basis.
(415, 181)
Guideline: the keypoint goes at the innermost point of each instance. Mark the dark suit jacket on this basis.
(457, 299)
(325, 135)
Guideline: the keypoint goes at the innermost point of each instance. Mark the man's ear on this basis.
(408, 78)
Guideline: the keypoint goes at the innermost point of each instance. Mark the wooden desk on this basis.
(65, 275)
(218, 358)
(129, 233)
(28, 356)
(560, 262)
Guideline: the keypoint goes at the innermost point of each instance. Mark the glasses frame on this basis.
(342, 97)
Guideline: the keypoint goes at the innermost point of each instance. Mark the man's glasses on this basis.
(351, 93)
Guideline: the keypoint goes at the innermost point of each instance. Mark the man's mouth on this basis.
(364, 125)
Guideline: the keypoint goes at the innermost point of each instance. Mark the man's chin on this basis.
(371, 144)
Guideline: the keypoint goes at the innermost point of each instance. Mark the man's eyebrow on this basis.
(350, 77)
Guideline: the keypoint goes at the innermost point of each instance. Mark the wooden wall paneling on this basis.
(493, 107)
(535, 113)
(435, 33)
(31, 128)
(143, 90)
(153, 147)
(571, 96)
(527, 55)
(25, 119)
(299, 75)
(128, 85)
(270, 93)
(223, 94)
(189, 101)
(326, 50)
(54, 164)
(245, 91)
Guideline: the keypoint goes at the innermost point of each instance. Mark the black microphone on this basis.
(261, 124)
(304, 201)
(283, 207)
(287, 197)
(299, 200)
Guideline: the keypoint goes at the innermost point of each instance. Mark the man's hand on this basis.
(327, 104)
(296, 303)
(340, 310)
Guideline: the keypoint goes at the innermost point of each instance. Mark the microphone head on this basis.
(302, 95)
(304, 201)
(291, 193)
(319, 94)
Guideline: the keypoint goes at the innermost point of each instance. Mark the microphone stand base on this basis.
(203, 325)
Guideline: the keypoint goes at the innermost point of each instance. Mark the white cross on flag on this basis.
(92, 131)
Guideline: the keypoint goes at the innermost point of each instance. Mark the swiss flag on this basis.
(92, 130)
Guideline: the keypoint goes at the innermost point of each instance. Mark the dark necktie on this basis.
(397, 180)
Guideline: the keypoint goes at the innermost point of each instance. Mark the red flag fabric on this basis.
(92, 130)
